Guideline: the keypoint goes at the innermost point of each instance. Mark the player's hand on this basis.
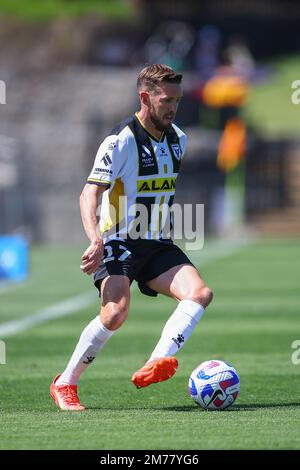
(92, 257)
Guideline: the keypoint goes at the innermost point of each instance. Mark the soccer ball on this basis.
(214, 385)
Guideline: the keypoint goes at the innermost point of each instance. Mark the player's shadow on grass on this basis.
(256, 406)
(196, 409)
(245, 407)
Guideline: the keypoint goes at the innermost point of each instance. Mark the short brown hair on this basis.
(154, 74)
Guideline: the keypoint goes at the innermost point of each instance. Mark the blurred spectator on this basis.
(170, 44)
(227, 90)
(207, 51)
(239, 56)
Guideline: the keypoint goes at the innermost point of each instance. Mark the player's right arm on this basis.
(107, 167)
(89, 197)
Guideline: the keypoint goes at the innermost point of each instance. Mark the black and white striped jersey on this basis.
(139, 171)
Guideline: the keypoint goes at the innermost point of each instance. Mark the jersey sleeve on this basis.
(110, 159)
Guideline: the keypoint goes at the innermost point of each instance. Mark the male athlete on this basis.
(140, 160)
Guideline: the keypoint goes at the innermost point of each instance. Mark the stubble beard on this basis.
(158, 124)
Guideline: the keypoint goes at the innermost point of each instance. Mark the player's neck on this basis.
(146, 122)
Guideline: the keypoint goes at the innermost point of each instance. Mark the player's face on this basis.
(163, 105)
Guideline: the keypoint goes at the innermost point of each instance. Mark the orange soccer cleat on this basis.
(65, 396)
(155, 371)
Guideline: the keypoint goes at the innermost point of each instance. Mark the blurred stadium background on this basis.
(69, 68)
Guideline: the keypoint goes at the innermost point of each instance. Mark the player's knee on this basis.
(114, 315)
(202, 295)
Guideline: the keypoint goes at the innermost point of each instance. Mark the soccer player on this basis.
(140, 161)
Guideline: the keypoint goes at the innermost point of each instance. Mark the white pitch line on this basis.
(212, 251)
(216, 250)
(61, 309)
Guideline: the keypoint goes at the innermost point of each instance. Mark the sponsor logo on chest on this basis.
(156, 185)
(147, 159)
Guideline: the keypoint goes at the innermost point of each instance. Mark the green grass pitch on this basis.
(252, 324)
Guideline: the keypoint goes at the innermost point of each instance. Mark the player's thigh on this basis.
(180, 282)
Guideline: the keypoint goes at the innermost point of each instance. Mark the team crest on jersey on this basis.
(176, 150)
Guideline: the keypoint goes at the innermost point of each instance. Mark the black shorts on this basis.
(139, 260)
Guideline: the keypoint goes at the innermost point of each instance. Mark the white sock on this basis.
(178, 329)
(92, 339)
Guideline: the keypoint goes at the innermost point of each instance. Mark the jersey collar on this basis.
(149, 134)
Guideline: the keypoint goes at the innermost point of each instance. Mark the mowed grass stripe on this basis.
(54, 275)
(38, 280)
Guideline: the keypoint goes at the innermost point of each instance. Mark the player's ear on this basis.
(144, 97)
